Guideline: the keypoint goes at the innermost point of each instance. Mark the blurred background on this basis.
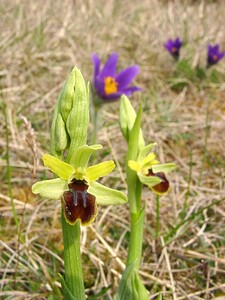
(184, 112)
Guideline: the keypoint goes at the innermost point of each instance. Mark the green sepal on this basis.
(149, 180)
(81, 155)
(165, 168)
(66, 291)
(100, 170)
(144, 151)
(105, 195)
(57, 166)
(51, 189)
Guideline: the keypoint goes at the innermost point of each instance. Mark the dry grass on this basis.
(40, 42)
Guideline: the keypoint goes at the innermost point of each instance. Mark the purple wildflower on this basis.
(173, 47)
(109, 85)
(214, 55)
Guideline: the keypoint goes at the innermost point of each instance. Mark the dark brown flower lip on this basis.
(78, 204)
(78, 185)
(163, 186)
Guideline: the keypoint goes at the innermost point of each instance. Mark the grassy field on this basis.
(184, 112)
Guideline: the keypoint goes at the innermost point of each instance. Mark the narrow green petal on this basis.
(82, 155)
(105, 195)
(149, 158)
(134, 165)
(149, 180)
(100, 170)
(165, 168)
(57, 166)
(51, 189)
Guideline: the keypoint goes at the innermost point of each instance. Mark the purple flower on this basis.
(214, 55)
(108, 84)
(173, 47)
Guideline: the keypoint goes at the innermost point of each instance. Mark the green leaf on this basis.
(149, 180)
(100, 170)
(165, 168)
(138, 287)
(57, 166)
(131, 286)
(66, 291)
(81, 156)
(105, 195)
(51, 189)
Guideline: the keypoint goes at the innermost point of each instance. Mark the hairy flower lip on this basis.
(122, 79)
(162, 187)
(78, 204)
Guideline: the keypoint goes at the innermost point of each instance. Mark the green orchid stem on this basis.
(157, 227)
(136, 228)
(72, 259)
(136, 237)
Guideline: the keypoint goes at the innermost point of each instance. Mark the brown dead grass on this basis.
(40, 42)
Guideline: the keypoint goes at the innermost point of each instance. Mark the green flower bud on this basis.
(127, 119)
(71, 116)
(78, 118)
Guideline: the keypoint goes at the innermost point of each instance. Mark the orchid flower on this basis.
(150, 171)
(76, 185)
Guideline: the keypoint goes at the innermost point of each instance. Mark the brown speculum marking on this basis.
(163, 186)
(78, 204)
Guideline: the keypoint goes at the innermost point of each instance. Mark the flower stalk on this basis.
(141, 168)
(72, 259)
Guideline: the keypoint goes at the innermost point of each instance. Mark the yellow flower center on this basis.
(110, 85)
(215, 57)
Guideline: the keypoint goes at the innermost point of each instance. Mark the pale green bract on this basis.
(78, 169)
